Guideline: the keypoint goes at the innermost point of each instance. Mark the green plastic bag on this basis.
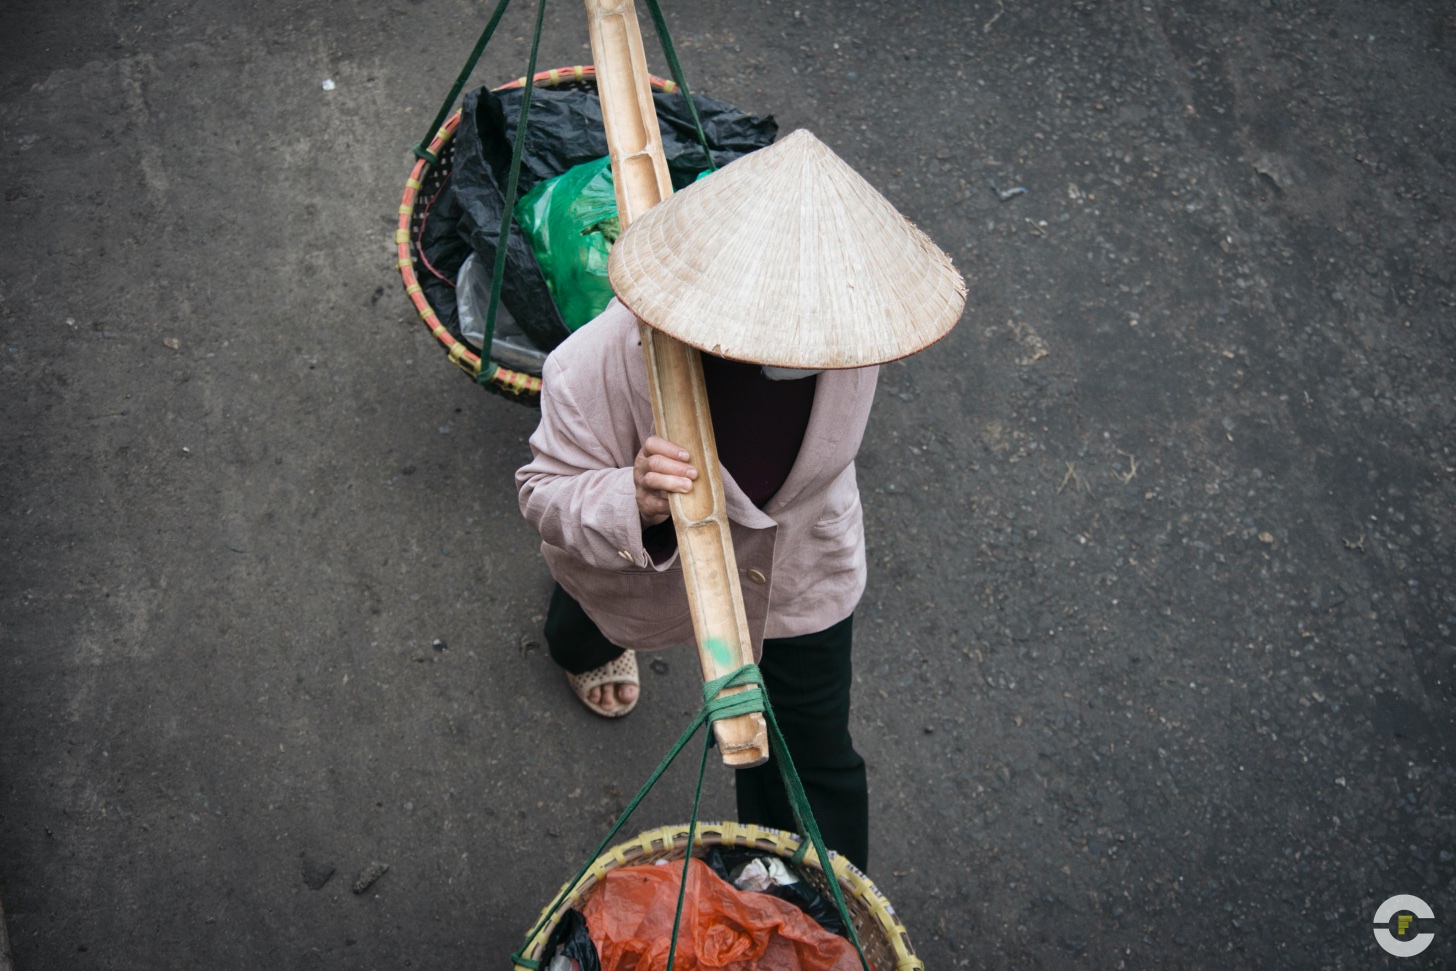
(571, 221)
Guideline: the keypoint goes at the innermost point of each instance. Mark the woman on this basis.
(801, 280)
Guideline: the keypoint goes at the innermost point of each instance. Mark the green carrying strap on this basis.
(670, 53)
(486, 372)
(422, 148)
(714, 708)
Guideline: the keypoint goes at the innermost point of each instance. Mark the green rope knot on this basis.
(739, 703)
(422, 152)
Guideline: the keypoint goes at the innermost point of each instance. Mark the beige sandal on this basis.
(621, 671)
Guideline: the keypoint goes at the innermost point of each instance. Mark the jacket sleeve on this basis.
(577, 490)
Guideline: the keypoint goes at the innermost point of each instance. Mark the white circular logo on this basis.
(1393, 925)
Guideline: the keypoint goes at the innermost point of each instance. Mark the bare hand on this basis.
(660, 467)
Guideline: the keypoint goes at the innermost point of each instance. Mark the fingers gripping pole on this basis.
(675, 380)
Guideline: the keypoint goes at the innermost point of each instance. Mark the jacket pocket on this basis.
(838, 523)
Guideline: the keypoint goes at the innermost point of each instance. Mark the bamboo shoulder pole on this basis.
(675, 379)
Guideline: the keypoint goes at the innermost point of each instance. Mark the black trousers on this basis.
(808, 680)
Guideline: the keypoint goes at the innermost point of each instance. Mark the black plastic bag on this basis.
(569, 938)
(726, 860)
(565, 129)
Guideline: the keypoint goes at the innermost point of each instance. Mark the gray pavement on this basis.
(1155, 668)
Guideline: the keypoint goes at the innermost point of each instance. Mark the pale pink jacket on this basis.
(801, 560)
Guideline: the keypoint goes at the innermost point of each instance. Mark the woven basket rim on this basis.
(667, 842)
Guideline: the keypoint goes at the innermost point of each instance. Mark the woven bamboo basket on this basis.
(884, 939)
(424, 183)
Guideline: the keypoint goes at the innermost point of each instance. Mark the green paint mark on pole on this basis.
(719, 651)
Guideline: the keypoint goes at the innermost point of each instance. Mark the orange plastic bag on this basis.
(630, 917)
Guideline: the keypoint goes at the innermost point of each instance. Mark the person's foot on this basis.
(610, 697)
(610, 690)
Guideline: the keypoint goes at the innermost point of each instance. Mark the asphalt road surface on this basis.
(1155, 667)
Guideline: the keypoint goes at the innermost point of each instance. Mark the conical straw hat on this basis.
(787, 257)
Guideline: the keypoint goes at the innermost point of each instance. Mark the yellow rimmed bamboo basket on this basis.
(424, 182)
(884, 939)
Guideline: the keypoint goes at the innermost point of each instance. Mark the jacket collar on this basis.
(837, 394)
